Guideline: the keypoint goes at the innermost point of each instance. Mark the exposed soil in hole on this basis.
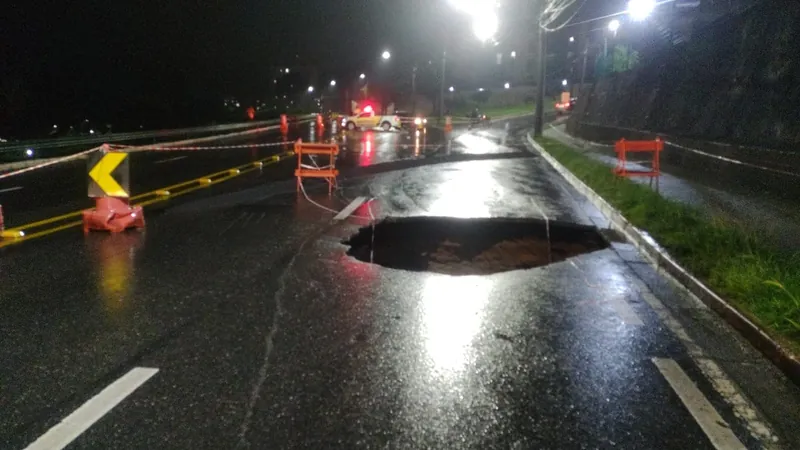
(471, 246)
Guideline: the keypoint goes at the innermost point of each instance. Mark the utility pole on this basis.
(414, 91)
(538, 125)
(441, 82)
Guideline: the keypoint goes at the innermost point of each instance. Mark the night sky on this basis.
(170, 63)
(116, 60)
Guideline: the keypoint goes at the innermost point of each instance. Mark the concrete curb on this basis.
(673, 271)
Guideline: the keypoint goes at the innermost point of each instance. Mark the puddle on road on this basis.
(471, 246)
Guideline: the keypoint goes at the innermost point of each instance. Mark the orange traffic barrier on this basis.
(624, 147)
(284, 124)
(328, 173)
(448, 124)
(320, 123)
(109, 184)
(113, 214)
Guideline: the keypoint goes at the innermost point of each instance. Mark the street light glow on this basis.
(613, 26)
(485, 26)
(507, 85)
(287, 70)
(333, 83)
(310, 89)
(362, 76)
(513, 53)
(386, 54)
(641, 9)
(29, 152)
(572, 38)
(483, 14)
(452, 89)
(564, 82)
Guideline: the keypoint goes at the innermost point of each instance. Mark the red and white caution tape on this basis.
(49, 163)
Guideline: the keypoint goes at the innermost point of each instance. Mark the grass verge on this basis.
(761, 280)
(499, 111)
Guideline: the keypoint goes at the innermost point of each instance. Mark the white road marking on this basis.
(170, 159)
(345, 213)
(624, 311)
(714, 426)
(93, 410)
(11, 189)
(742, 407)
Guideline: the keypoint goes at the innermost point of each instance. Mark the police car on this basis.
(368, 119)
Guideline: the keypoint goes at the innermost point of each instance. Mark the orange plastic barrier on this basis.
(328, 173)
(624, 147)
(284, 124)
(448, 124)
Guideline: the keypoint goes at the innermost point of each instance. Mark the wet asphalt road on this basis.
(266, 334)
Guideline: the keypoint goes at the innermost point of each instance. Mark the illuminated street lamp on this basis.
(333, 83)
(287, 70)
(386, 55)
(362, 76)
(310, 89)
(564, 82)
(613, 27)
(452, 89)
(641, 9)
(572, 38)
(507, 85)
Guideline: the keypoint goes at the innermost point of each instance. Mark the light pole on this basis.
(414, 91)
(613, 27)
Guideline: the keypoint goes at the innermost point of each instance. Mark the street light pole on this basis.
(414, 91)
(441, 86)
(538, 125)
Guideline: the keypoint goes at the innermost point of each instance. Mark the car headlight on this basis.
(417, 121)
(424, 120)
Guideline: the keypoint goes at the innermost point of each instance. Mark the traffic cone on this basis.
(284, 125)
(113, 214)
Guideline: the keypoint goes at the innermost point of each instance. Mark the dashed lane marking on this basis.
(93, 410)
(713, 425)
(11, 189)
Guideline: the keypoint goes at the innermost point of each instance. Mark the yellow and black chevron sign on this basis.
(109, 175)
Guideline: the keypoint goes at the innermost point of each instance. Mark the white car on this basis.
(369, 120)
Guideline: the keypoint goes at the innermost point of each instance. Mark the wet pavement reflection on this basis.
(267, 335)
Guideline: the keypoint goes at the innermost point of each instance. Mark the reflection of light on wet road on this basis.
(467, 192)
(453, 309)
(476, 144)
(115, 258)
(367, 143)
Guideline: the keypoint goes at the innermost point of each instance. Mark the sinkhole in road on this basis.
(471, 246)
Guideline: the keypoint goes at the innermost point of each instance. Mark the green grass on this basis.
(759, 279)
(498, 111)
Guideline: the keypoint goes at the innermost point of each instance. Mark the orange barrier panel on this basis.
(623, 147)
(328, 173)
(448, 124)
(284, 124)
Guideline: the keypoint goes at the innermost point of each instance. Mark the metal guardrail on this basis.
(124, 137)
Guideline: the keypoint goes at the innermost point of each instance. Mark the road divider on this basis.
(74, 219)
